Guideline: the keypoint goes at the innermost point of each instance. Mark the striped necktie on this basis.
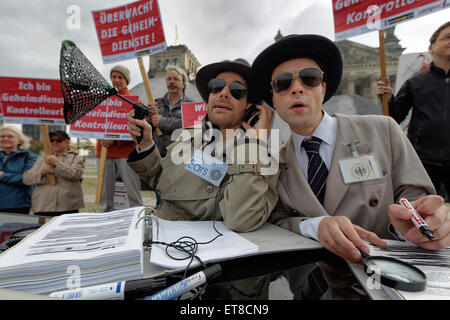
(317, 170)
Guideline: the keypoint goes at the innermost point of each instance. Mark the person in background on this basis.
(118, 151)
(428, 94)
(167, 110)
(15, 196)
(66, 196)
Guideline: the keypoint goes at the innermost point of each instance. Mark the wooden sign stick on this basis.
(148, 89)
(47, 150)
(384, 98)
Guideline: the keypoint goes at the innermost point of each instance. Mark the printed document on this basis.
(212, 246)
(79, 249)
(435, 265)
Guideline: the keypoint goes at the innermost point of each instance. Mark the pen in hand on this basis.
(417, 220)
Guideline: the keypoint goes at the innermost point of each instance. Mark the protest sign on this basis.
(107, 121)
(355, 17)
(130, 31)
(32, 101)
(192, 112)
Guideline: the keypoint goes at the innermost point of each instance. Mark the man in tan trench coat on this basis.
(247, 194)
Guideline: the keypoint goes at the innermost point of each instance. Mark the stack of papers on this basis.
(76, 250)
(435, 265)
(227, 246)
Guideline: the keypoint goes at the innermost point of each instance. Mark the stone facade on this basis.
(178, 55)
(362, 66)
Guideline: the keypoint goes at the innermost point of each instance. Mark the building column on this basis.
(350, 88)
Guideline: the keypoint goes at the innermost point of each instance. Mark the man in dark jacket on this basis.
(428, 94)
(167, 110)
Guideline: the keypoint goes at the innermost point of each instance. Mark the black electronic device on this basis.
(251, 115)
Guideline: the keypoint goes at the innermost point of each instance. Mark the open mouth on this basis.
(298, 106)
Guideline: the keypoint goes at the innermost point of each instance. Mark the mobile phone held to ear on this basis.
(251, 115)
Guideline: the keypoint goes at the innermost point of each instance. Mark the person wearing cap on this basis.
(15, 159)
(66, 196)
(246, 195)
(341, 176)
(116, 156)
(167, 110)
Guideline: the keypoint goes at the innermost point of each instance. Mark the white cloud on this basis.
(213, 30)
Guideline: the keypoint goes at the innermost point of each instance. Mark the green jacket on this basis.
(244, 199)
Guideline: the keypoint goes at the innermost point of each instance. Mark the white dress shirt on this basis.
(326, 131)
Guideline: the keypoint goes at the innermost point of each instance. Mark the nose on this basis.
(297, 86)
(225, 93)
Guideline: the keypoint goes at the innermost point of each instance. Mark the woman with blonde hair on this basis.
(15, 196)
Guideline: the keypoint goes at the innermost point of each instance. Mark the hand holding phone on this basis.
(259, 118)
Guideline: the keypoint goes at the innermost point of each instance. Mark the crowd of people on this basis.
(339, 177)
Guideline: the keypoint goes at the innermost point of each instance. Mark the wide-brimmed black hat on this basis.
(210, 71)
(59, 133)
(311, 46)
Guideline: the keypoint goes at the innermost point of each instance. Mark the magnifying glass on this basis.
(395, 273)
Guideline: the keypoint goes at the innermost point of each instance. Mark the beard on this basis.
(225, 120)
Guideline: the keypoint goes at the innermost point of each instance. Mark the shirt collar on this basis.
(325, 131)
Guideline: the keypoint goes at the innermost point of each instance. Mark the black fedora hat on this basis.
(311, 46)
(210, 71)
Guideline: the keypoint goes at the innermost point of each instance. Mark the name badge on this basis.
(361, 168)
(207, 167)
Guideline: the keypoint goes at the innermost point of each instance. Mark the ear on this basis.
(324, 89)
(430, 49)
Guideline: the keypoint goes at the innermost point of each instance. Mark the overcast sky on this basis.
(214, 30)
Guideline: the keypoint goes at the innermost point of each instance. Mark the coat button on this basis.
(209, 189)
(373, 202)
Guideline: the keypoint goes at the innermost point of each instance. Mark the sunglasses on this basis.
(56, 140)
(310, 76)
(237, 89)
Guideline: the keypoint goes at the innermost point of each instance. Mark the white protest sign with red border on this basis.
(193, 112)
(106, 121)
(32, 101)
(130, 31)
(355, 17)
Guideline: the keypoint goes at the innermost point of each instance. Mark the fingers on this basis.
(153, 107)
(432, 209)
(370, 237)
(428, 205)
(135, 125)
(384, 87)
(442, 238)
(438, 222)
(265, 117)
(339, 235)
(245, 125)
